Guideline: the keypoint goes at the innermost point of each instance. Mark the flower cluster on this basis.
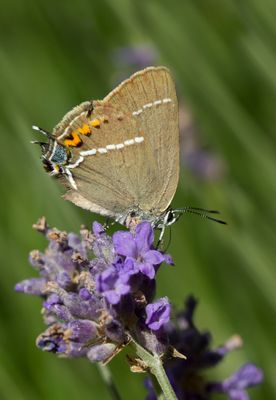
(98, 295)
(98, 290)
(186, 375)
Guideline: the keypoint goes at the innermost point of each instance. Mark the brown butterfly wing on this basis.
(110, 180)
(144, 173)
(150, 96)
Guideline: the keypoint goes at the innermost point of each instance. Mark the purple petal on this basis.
(139, 57)
(72, 301)
(153, 257)
(106, 280)
(122, 288)
(82, 331)
(103, 247)
(158, 314)
(149, 386)
(74, 350)
(112, 297)
(61, 312)
(52, 339)
(74, 241)
(97, 228)
(247, 375)
(124, 244)
(144, 237)
(147, 269)
(168, 259)
(101, 352)
(129, 267)
(84, 294)
(52, 299)
(238, 395)
(63, 279)
(31, 286)
(37, 259)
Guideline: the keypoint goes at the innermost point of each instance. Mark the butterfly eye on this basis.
(172, 217)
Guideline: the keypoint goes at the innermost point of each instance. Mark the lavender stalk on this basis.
(107, 378)
(155, 367)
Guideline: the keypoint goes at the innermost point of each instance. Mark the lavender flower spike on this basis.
(187, 376)
(91, 305)
(248, 375)
(95, 306)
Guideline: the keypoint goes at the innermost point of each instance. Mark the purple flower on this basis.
(186, 376)
(101, 352)
(85, 294)
(112, 284)
(140, 56)
(31, 286)
(158, 314)
(81, 331)
(51, 301)
(130, 59)
(90, 305)
(68, 339)
(248, 375)
(97, 228)
(139, 248)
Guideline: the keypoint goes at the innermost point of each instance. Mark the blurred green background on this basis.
(55, 55)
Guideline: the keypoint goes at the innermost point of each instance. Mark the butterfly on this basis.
(119, 157)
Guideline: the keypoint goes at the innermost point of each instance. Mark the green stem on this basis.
(156, 368)
(107, 378)
(159, 394)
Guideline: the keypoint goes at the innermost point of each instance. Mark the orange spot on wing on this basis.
(75, 141)
(85, 130)
(95, 123)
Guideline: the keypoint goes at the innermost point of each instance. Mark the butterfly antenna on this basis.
(37, 128)
(37, 142)
(201, 212)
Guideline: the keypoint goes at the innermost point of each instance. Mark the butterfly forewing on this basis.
(125, 147)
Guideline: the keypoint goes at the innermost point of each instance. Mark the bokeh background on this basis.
(55, 55)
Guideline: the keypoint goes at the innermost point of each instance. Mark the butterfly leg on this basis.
(161, 236)
(69, 177)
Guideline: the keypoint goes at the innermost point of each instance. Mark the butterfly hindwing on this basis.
(108, 160)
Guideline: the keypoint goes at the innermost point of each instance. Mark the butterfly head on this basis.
(54, 156)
